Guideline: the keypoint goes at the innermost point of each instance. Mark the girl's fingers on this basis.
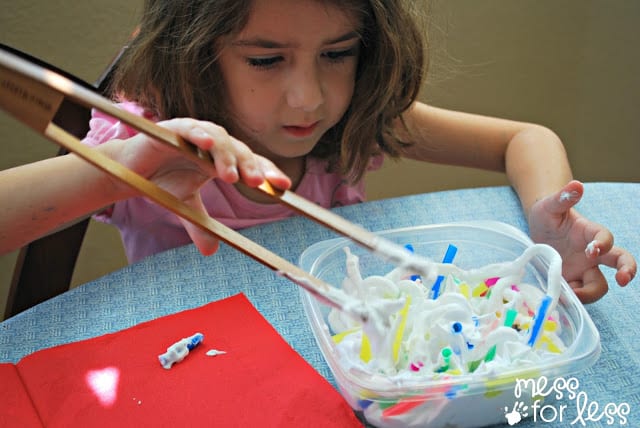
(623, 262)
(233, 160)
(599, 244)
(566, 198)
(592, 287)
(206, 243)
(273, 174)
(225, 151)
(249, 166)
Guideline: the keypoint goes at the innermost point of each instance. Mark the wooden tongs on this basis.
(33, 94)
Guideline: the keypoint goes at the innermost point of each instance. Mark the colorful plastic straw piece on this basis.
(510, 317)
(406, 404)
(412, 251)
(365, 349)
(448, 258)
(446, 356)
(539, 320)
(400, 332)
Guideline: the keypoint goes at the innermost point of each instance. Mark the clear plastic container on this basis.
(476, 400)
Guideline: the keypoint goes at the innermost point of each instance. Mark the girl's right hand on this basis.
(183, 177)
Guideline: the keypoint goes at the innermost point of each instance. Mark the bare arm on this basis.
(41, 197)
(532, 156)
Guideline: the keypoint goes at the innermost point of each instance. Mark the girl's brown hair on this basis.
(170, 69)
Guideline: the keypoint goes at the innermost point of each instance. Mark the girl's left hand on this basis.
(583, 244)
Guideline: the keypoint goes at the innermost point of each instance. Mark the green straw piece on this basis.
(491, 354)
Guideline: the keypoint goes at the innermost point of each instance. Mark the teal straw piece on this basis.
(510, 317)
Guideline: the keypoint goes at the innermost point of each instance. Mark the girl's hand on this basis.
(583, 244)
(183, 178)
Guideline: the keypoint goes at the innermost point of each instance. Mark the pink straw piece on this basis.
(491, 281)
(406, 404)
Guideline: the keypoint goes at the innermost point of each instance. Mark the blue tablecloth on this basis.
(181, 279)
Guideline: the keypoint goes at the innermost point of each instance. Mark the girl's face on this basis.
(289, 75)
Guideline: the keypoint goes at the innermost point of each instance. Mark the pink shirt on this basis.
(147, 228)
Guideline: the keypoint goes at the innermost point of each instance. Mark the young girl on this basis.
(314, 93)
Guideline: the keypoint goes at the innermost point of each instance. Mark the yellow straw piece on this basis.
(400, 332)
(480, 289)
(337, 338)
(365, 349)
(551, 347)
(464, 290)
(550, 326)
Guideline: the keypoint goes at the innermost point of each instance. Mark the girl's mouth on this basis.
(300, 131)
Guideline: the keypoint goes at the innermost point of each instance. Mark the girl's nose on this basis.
(305, 90)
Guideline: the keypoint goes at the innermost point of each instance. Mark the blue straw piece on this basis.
(412, 250)
(449, 255)
(540, 317)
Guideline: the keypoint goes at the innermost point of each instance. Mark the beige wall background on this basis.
(570, 65)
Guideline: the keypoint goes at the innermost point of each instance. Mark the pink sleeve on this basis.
(346, 194)
(103, 128)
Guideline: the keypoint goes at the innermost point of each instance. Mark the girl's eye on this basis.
(338, 56)
(264, 63)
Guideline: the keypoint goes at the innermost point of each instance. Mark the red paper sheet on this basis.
(16, 408)
(117, 380)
